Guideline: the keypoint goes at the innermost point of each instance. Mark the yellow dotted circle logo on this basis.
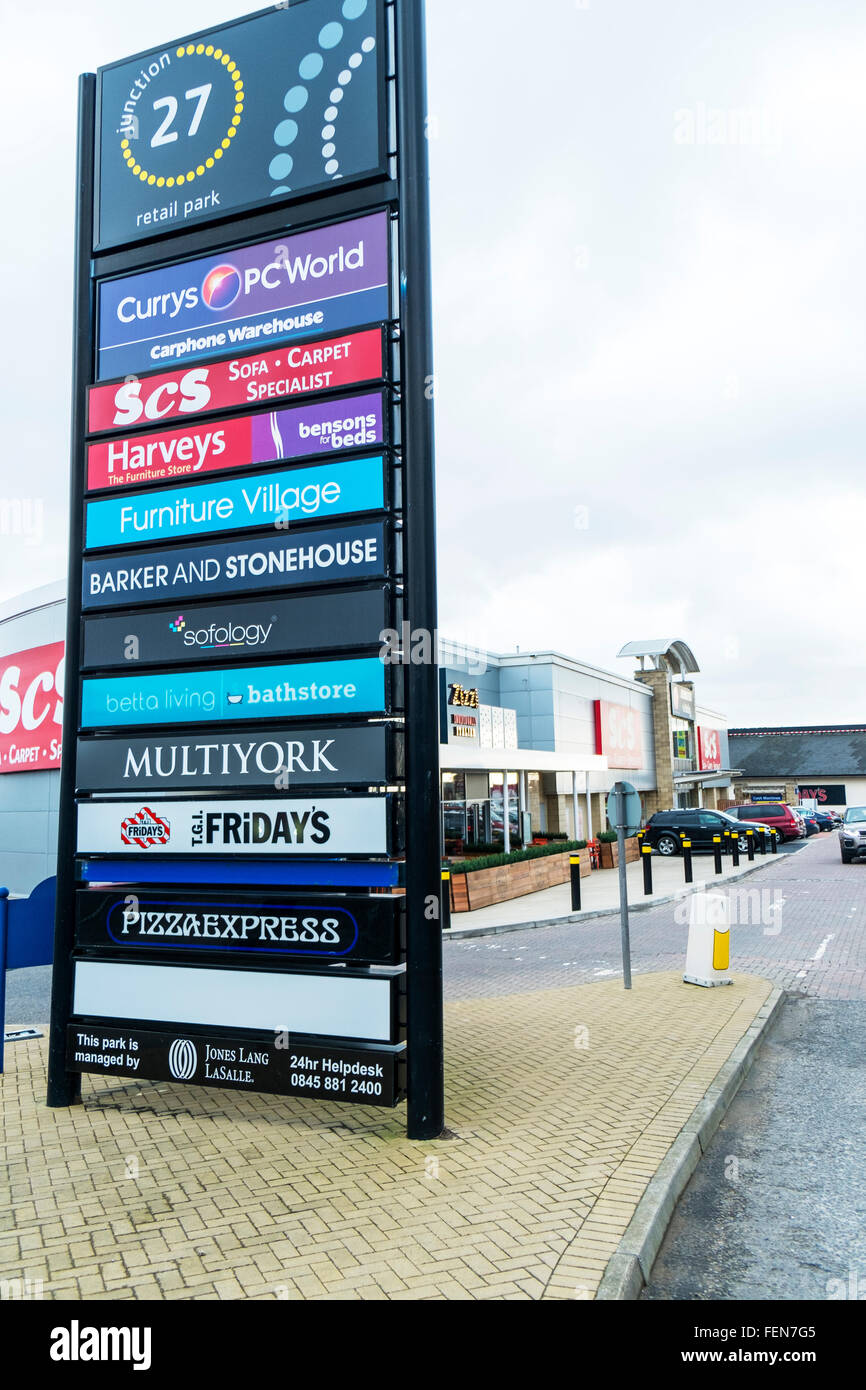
(224, 61)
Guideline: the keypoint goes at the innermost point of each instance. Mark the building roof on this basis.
(830, 750)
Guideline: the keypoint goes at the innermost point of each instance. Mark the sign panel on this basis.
(350, 825)
(355, 422)
(237, 504)
(307, 927)
(202, 571)
(261, 627)
(341, 1005)
(230, 693)
(326, 364)
(363, 1075)
(682, 700)
(31, 708)
(236, 760)
(709, 749)
(321, 281)
(824, 796)
(618, 734)
(275, 106)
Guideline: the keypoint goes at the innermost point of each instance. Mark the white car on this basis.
(852, 834)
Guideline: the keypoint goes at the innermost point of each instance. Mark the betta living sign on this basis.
(201, 571)
(238, 760)
(306, 926)
(321, 281)
(344, 825)
(272, 107)
(276, 436)
(228, 693)
(363, 1075)
(238, 504)
(326, 364)
(261, 627)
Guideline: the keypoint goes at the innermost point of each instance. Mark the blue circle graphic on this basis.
(280, 166)
(296, 99)
(330, 36)
(353, 9)
(286, 133)
(311, 66)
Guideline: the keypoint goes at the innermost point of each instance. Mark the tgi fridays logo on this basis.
(146, 830)
(227, 828)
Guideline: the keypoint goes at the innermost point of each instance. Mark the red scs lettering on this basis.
(31, 709)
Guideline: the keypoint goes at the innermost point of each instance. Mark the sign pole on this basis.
(426, 1102)
(623, 883)
(64, 1086)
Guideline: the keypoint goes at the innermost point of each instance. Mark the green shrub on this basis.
(496, 861)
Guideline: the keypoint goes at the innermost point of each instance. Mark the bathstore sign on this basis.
(31, 708)
(322, 281)
(273, 107)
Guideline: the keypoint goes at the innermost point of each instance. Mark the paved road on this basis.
(776, 1208)
(800, 924)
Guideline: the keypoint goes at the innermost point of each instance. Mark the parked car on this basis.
(810, 819)
(852, 834)
(825, 820)
(778, 814)
(665, 829)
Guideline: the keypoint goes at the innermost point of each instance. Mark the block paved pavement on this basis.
(561, 1103)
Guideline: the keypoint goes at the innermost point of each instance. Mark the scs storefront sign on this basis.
(309, 927)
(354, 422)
(202, 571)
(31, 708)
(351, 825)
(265, 499)
(618, 734)
(299, 369)
(709, 749)
(322, 281)
(231, 693)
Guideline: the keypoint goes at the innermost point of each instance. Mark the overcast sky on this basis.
(648, 230)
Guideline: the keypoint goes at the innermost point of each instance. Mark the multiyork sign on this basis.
(231, 693)
(299, 369)
(31, 708)
(372, 1076)
(188, 572)
(350, 825)
(308, 927)
(236, 760)
(275, 106)
(321, 281)
(239, 504)
(261, 627)
(355, 422)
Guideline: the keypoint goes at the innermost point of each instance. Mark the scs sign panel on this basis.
(31, 709)
(618, 734)
(212, 125)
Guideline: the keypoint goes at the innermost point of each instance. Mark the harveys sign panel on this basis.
(271, 437)
(305, 368)
(305, 926)
(273, 107)
(31, 708)
(338, 826)
(319, 281)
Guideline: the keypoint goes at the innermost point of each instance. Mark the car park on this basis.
(666, 830)
(852, 834)
(778, 814)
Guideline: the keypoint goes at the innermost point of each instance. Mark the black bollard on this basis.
(687, 860)
(735, 849)
(446, 899)
(750, 836)
(574, 862)
(646, 855)
(774, 847)
(717, 853)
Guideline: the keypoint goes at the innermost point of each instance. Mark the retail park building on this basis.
(555, 732)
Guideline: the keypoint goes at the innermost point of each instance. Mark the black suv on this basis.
(666, 829)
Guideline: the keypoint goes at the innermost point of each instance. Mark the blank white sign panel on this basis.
(345, 1008)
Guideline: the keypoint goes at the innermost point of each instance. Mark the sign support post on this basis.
(623, 884)
(426, 1103)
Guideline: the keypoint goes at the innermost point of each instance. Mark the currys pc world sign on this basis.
(321, 281)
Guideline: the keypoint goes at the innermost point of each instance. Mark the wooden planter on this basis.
(488, 886)
(610, 852)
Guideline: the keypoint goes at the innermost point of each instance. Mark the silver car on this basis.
(852, 834)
